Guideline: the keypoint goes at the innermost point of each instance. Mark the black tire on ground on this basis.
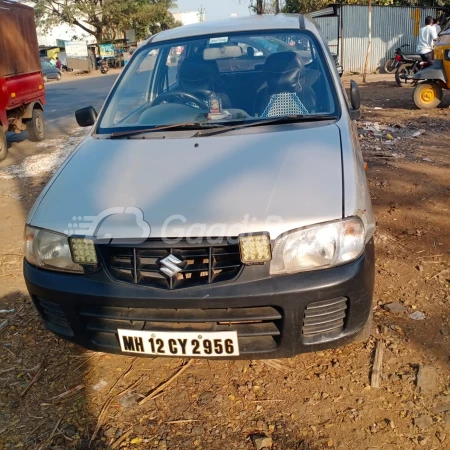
(365, 332)
(427, 95)
(403, 70)
(3, 144)
(35, 126)
(389, 65)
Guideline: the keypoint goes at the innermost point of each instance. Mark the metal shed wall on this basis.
(329, 27)
(391, 27)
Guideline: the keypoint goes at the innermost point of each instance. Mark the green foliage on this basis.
(107, 19)
(304, 6)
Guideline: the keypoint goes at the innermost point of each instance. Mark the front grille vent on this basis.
(324, 319)
(54, 317)
(199, 265)
(258, 328)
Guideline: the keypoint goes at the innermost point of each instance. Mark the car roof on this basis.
(233, 25)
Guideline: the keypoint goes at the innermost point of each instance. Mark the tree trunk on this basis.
(99, 35)
(277, 6)
(369, 43)
(259, 7)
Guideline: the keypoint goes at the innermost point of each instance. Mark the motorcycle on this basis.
(104, 66)
(405, 73)
(391, 65)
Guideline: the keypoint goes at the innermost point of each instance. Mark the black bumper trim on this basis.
(287, 295)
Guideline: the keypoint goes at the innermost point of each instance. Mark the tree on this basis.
(263, 6)
(259, 7)
(107, 19)
(304, 6)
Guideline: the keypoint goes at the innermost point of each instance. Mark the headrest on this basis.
(284, 72)
(195, 73)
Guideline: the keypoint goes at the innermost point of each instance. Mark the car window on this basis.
(137, 91)
(220, 79)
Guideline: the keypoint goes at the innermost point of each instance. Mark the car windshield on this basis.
(219, 80)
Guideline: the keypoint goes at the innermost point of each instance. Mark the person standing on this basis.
(425, 43)
(437, 26)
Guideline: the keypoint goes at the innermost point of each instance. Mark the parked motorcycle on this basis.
(400, 58)
(405, 73)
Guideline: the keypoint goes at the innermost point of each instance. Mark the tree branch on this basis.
(83, 27)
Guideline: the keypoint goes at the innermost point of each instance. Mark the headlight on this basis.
(49, 250)
(318, 246)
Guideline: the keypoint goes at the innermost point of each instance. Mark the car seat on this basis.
(202, 78)
(286, 92)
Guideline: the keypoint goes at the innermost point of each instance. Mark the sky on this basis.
(215, 9)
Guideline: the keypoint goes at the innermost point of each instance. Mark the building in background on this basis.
(189, 17)
(64, 33)
(345, 28)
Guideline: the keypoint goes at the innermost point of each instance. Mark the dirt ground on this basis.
(54, 395)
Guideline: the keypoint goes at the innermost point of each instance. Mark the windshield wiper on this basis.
(218, 128)
(267, 121)
(175, 126)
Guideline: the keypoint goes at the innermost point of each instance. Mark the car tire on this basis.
(3, 144)
(364, 335)
(427, 95)
(35, 126)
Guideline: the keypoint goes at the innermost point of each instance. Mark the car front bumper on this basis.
(274, 317)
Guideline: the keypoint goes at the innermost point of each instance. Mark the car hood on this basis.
(210, 186)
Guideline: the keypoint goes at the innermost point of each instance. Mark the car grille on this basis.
(324, 319)
(54, 317)
(200, 265)
(258, 328)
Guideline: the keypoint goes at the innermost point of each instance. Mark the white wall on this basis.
(64, 32)
(188, 17)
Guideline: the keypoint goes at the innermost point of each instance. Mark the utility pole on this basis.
(369, 43)
(201, 14)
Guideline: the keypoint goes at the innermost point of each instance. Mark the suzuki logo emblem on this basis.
(170, 267)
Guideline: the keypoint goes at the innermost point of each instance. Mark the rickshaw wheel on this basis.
(427, 95)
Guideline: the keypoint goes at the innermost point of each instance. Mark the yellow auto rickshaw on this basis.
(428, 94)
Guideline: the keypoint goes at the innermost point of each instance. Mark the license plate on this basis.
(183, 343)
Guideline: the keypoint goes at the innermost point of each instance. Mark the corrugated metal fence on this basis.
(391, 27)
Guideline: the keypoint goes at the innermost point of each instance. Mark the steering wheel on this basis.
(183, 96)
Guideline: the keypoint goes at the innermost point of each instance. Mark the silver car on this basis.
(218, 206)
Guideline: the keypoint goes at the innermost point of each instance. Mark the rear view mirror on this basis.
(86, 117)
(229, 51)
(355, 99)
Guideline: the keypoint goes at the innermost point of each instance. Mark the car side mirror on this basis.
(86, 117)
(355, 99)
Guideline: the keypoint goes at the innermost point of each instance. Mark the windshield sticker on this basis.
(219, 40)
